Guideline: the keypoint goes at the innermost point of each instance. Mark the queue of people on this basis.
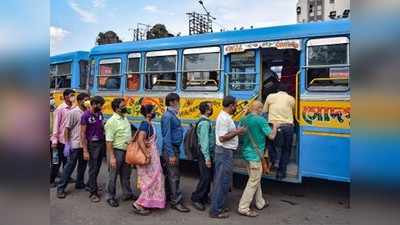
(81, 136)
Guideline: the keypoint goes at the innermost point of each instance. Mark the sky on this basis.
(74, 24)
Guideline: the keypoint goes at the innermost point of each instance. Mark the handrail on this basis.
(327, 79)
(297, 98)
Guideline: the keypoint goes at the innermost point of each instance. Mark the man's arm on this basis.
(204, 129)
(266, 105)
(166, 135)
(230, 135)
(273, 133)
(56, 122)
(110, 131)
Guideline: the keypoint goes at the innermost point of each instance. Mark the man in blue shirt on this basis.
(172, 137)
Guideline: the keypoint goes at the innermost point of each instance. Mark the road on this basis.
(312, 202)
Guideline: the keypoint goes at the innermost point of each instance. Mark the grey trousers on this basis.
(172, 178)
(124, 171)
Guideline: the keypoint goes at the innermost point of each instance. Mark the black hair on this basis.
(68, 92)
(133, 129)
(82, 96)
(170, 98)
(97, 100)
(115, 103)
(228, 100)
(282, 87)
(146, 109)
(204, 106)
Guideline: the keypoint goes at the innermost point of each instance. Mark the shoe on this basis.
(265, 206)
(61, 194)
(94, 197)
(249, 213)
(222, 215)
(140, 210)
(181, 208)
(112, 202)
(199, 206)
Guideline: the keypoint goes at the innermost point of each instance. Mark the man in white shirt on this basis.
(227, 141)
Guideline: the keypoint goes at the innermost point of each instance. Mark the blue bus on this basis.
(68, 70)
(312, 59)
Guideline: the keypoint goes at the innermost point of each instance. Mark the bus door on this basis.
(242, 80)
(324, 110)
(279, 68)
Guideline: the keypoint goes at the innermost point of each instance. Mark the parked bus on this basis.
(69, 70)
(311, 59)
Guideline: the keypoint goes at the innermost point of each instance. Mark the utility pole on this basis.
(200, 23)
(139, 33)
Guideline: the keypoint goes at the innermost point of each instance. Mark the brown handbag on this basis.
(135, 154)
(264, 162)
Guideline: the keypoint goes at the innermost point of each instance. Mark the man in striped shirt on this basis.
(57, 137)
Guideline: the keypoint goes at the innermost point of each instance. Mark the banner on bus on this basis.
(281, 44)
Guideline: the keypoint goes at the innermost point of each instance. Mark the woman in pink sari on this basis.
(151, 178)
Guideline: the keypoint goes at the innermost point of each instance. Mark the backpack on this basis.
(191, 143)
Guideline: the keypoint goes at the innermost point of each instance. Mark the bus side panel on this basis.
(325, 156)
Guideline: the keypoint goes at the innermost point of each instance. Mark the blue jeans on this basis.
(222, 179)
(75, 157)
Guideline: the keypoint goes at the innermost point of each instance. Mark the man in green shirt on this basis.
(253, 141)
(206, 139)
(118, 135)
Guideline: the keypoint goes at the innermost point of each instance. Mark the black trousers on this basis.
(62, 160)
(172, 178)
(203, 187)
(96, 153)
(283, 141)
(76, 157)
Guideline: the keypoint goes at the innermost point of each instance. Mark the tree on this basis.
(108, 37)
(158, 31)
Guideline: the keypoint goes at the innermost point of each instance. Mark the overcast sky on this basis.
(76, 23)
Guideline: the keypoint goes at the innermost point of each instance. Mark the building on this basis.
(318, 10)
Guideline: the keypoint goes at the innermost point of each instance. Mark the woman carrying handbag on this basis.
(150, 174)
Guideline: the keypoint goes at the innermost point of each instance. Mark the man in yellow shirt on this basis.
(280, 108)
(118, 135)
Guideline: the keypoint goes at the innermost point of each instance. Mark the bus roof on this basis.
(238, 36)
(69, 56)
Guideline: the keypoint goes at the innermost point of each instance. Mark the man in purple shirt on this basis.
(93, 142)
(57, 137)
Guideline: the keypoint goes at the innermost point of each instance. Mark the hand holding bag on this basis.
(135, 155)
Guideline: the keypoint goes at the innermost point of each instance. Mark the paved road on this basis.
(312, 202)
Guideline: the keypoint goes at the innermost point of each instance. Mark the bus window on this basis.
(243, 71)
(60, 75)
(110, 74)
(83, 73)
(328, 66)
(201, 69)
(133, 77)
(161, 70)
(91, 73)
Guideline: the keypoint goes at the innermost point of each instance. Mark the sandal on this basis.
(94, 198)
(140, 210)
(222, 215)
(265, 206)
(112, 202)
(249, 213)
